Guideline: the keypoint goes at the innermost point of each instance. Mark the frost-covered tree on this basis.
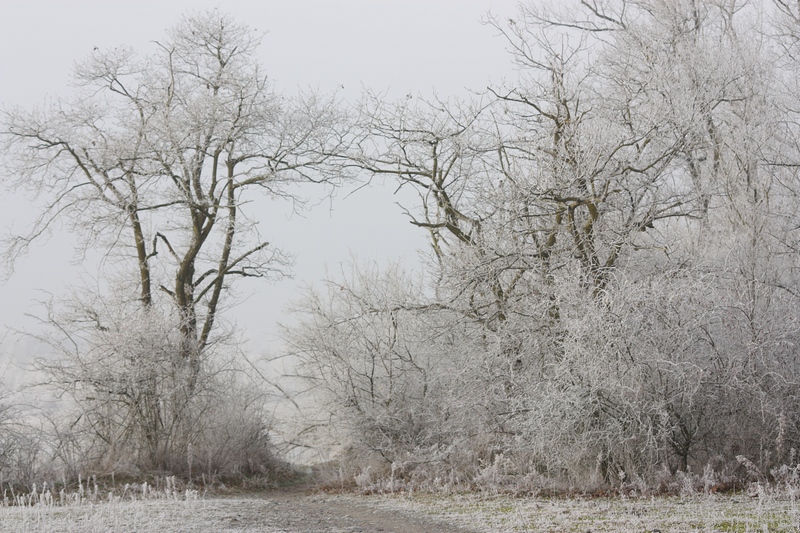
(155, 162)
(616, 232)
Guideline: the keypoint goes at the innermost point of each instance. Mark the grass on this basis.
(129, 507)
(88, 517)
(698, 513)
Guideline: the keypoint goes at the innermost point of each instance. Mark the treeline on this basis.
(611, 294)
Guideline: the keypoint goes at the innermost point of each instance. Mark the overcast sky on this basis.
(400, 46)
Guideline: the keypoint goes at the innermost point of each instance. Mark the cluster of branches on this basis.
(613, 257)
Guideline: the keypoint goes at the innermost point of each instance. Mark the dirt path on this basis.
(298, 512)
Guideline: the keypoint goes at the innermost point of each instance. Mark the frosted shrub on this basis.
(136, 408)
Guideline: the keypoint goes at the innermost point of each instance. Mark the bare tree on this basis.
(154, 162)
(156, 158)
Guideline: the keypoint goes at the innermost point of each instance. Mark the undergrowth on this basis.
(360, 472)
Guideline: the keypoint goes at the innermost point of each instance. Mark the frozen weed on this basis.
(88, 508)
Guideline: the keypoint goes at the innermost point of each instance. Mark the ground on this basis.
(269, 512)
(303, 511)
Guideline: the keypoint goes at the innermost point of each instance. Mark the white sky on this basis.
(404, 46)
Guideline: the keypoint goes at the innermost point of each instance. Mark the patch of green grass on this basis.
(728, 526)
(772, 526)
